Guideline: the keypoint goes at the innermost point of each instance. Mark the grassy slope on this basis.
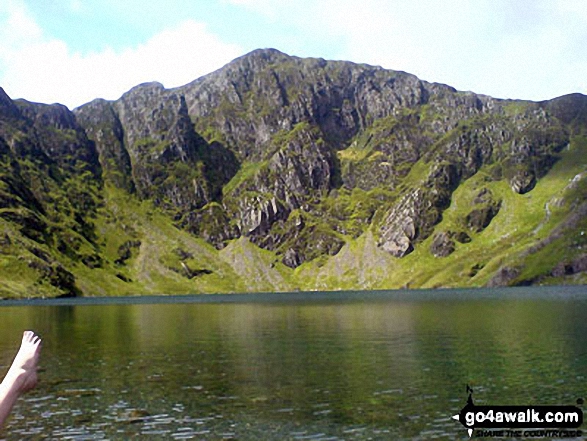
(522, 222)
(258, 269)
(156, 266)
(17, 277)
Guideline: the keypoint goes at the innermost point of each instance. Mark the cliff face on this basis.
(302, 157)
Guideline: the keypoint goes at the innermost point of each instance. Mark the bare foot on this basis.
(22, 375)
(23, 371)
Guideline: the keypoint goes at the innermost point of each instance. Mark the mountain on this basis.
(279, 173)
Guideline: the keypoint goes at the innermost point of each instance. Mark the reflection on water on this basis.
(379, 369)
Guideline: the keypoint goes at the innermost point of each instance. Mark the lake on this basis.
(302, 366)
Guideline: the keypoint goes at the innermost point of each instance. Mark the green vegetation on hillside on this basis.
(278, 173)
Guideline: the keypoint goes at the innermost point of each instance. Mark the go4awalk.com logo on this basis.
(521, 421)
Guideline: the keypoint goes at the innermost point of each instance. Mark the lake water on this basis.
(315, 366)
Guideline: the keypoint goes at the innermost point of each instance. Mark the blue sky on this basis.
(71, 51)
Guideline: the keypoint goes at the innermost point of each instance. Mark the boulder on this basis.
(442, 245)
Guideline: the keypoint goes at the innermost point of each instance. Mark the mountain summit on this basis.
(281, 173)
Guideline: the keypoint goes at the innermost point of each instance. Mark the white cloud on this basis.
(41, 69)
(502, 48)
(18, 27)
(532, 50)
(76, 5)
(570, 6)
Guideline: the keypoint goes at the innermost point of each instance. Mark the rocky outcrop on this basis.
(538, 138)
(301, 168)
(442, 245)
(570, 109)
(504, 277)
(266, 91)
(415, 215)
(57, 276)
(399, 230)
(103, 127)
(259, 214)
(163, 148)
(576, 266)
(300, 238)
(478, 219)
(147, 142)
(212, 223)
(486, 208)
(8, 110)
(54, 129)
(30, 223)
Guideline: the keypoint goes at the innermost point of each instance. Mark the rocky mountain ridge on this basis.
(301, 159)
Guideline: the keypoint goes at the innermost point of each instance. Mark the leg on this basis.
(22, 375)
